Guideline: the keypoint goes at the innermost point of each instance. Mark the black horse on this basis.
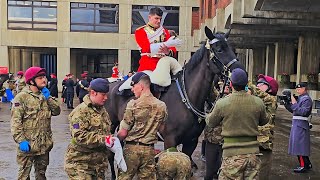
(195, 81)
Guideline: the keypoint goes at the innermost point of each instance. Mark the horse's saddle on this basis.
(125, 87)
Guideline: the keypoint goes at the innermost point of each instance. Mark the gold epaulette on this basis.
(141, 27)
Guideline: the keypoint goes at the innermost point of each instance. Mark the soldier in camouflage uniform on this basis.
(87, 153)
(142, 119)
(20, 82)
(240, 115)
(31, 115)
(172, 164)
(266, 89)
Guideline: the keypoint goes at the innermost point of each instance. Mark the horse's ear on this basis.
(226, 35)
(209, 33)
(214, 30)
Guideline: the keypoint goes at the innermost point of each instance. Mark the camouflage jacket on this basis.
(213, 135)
(89, 125)
(31, 120)
(173, 165)
(20, 84)
(266, 132)
(142, 119)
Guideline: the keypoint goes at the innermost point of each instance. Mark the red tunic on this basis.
(146, 62)
(115, 72)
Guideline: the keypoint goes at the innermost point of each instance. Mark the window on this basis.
(170, 17)
(95, 17)
(38, 15)
(101, 61)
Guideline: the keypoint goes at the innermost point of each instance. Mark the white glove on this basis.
(118, 157)
(154, 48)
(173, 42)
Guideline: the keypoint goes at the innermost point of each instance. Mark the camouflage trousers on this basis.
(238, 167)
(173, 165)
(140, 161)
(25, 163)
(266, 162)
(85, 166)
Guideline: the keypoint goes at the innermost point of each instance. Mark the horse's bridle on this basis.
(225, 69)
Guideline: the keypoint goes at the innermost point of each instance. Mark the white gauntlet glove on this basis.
(118, 154)
(173, 42)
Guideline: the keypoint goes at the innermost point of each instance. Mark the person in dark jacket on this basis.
(53, 85)
(64, 90)
(70, 91)
(82, 87)
(299, 142)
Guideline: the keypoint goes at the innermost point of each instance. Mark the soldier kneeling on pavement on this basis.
(172, 164)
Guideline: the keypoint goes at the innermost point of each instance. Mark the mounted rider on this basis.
(157, 48)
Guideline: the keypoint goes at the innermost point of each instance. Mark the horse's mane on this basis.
(196, 57)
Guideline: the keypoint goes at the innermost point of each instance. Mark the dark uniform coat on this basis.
(53, 87)
(299, 142)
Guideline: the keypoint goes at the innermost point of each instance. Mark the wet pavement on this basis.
(281, 166)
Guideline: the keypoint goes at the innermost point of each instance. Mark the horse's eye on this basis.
(219, 50)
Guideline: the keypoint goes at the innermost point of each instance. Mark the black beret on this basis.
(100, 85)
(239, 77)
(301, 85)
(137, 77)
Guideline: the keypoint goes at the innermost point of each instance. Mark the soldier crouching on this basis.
(172, 164)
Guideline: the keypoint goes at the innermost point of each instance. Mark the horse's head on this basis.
(222, 56)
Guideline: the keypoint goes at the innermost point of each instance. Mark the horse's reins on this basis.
(224, 70)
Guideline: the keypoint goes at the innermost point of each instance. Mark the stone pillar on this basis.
(267, 60)
(4, 60)
(26, 58)
(308, 63)
(63, 14)
(183, 56)
(124, 56)
(124, 53)
(299, 57)
(14, 60)
(35, 58)
(63, 64)
(247, 59)
(250, 65)
(258, 62)
(270, 60)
